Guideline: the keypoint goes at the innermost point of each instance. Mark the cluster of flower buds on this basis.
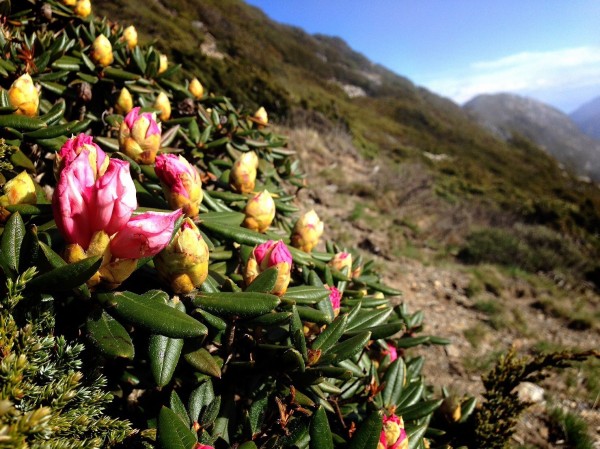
(393, 435)
(260, 212)
(24, 96)
(184, 262)
(267, 255)
(180, 182)
(139, 136)
(130, 36)
(242, 177)
(307, 232)
(101, 51)
(93, 206)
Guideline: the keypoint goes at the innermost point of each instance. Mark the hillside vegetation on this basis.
(319, 82)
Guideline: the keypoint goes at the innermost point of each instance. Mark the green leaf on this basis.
(409, 342)
(164, 356)
(411, 394)
(154, 316)
(241, 304)
(256, 413)
(248, 445)
(109, 336)
(202, 361)
(10, 245)
(307, 293)
(270, 319)
(331, 334)
(381, 331)
(394, 379)
(297, 334)
(367, 434)
(313, 315)
(265, 281)
(368, 318)
(178, 407)
(172, 432)
(346, 349)
(320, 433)
(419, 410)
(200, 398)
(415, 435)
(66, 277)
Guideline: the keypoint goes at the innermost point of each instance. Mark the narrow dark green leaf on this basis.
(248, 445)
(393, 381)
(331, 334)
(264, 282)
(66, 277)
(367, 434)
(381, 331)
(313, 315)
(369, 318)
(109, 336)
(466, 408)
(346, 349)
(200, 398)
(177, 406)
(164, 355)
(409, 342)
(241, 304)
(172, 432)
(307, 292)
(320, 433)
(415, 435)
(152, 315)
(411, 394)
(270, 319)
(12, 238)
(257, 412)
(202, 361)
(297, 334)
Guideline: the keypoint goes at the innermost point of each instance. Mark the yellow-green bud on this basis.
(242, 177)
(196, 89)
(124, 103)
(19, 190)
(307, 231)
(102, 51)
(260, 212)
(163, 64)
(83, 8)
(24, 96)
(184, 262)
(130, 36)
(163, 105)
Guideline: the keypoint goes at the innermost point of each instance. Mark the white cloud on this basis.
(528, 73)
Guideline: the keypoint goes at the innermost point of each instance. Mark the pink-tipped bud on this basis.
(391, 351)
(130, 36)
(180, 182)
(307, 232)
(242, 177)
(144, 235)
(261, 117)
(102, 52)
(184, 262)
(19, 190)
(335, 296)
(260, 212)
(24, 96)
(139, 136)
(97, 159)
(267, 255)
(342, 262)
(393, 435)
(164, 106)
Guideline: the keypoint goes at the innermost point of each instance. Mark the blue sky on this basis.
(545, 49)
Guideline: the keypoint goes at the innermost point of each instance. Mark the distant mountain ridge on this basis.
(552, 130)
(587, 117)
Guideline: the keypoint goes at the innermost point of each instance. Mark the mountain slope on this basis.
(319, 82)
(505, 114)
(587, 117)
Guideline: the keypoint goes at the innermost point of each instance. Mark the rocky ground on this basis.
(484, 311)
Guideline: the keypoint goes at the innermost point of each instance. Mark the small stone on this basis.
(529, 392)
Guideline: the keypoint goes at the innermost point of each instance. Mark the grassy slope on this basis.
(285, 69)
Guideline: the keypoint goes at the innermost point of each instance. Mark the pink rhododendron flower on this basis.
(392, 351)
(139, 136)
(144, 235)
(335, 297)
(393, 435)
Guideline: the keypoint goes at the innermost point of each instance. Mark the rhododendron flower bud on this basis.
(393, 435)
(24, 96)
(261, 116)
(164, 106)
(196, 89)
(19, 190)
(69, 2)
(139, 136)
(242, 177)
(98, 161)
(180, 182)
(307, 231)
(342, 261)
(392, 351)
(102, 51)
(202, 446)
(184, 262)
(130, 36)
(260, 212)
(83, 8)
(124, 103)
(267, 255)
(163, 64)
(144, 235)
(335, 296)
